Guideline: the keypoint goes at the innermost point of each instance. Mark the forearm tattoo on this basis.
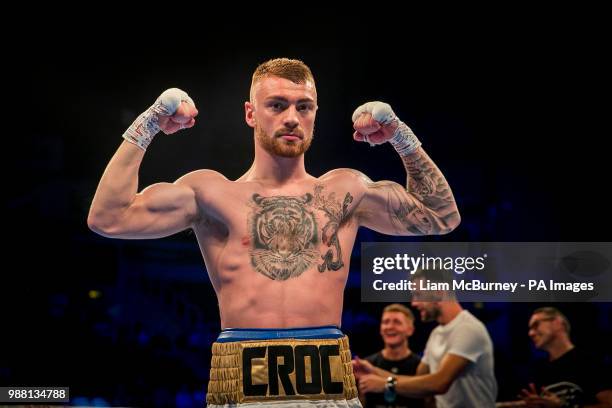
(433, 195)
(425, 207)
(284, 233)
(427, 182)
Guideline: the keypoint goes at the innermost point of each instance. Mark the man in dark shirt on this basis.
(571, 377)
(396, 326)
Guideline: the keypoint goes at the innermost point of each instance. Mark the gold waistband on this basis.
(290, 369)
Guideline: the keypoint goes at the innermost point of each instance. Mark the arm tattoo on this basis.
(427, 182)
(426, 206)
(432, 196)
(336, 213)
(407, 214)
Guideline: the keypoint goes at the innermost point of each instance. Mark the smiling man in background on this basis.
(396, 327)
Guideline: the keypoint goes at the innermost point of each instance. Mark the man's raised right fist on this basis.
(172, 111)
(181, 109)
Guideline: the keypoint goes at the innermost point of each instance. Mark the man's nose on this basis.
(291, 119)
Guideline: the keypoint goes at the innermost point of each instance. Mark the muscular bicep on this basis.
(159, 210)
(389, 208)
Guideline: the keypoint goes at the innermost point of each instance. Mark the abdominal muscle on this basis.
(248, 299)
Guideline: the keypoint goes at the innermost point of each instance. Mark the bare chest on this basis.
(284, 233)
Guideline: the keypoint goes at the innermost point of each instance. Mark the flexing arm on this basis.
(117, 210)
(426, 205)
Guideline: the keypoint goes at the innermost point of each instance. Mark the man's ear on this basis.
(249, 108)
(558, 323)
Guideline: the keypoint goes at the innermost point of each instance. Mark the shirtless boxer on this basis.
(277, 241)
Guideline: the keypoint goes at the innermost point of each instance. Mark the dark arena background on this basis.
(508, 119)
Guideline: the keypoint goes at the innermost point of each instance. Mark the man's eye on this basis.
(304, 108)
(277, 106)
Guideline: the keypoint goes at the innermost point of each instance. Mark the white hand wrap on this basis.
(403, 140)
(146, 126)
